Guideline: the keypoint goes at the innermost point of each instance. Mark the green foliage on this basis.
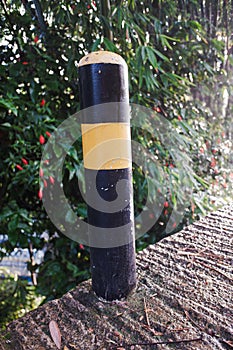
(171, 53)
(16, 297)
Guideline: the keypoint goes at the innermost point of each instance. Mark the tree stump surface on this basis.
(183, 300)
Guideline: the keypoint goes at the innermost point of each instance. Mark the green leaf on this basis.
(70, 217)
(109, 45)
(7, 104)
(6, 125)
(143, 54)
(13, 238)
(162, 56)
(152, 57)
(57, 150)
(82, 210)
(195, 24)
(95, 45)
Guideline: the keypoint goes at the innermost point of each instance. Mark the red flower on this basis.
(166, 204)
(41, 172)
(36, 39)
(42, 102)
(179, 118)
(214, 151)
(24, 161)
(42, 139)
(19, 167)
(51, 179)
(40, 193)
(48, 133)
(24, 63)
(45, 183)
(81, 246)
(88, 6)
(46, 161)
(165, 212)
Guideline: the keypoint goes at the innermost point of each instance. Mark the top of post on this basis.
(102, 57)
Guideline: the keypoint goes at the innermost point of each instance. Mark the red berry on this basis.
(40, 193)
(166, 204)
(36, 39)
(165, 212)
(202, 150)
(42, 102)
(88, 6)
(157, 109)
(41, 172)
(51, 179)
(19, 167)
(48, 133)
(42, 139)
(213, 162)
(24, 161)
(45, 183)
(24, 63)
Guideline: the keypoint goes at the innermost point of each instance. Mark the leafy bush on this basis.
(16, 297)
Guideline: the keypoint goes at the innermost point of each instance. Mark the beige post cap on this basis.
(101, 57)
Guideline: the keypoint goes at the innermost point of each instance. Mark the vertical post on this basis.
(103, 78)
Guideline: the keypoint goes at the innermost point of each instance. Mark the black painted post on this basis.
(103, 78)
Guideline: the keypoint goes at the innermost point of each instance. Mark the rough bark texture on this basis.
(184, 292)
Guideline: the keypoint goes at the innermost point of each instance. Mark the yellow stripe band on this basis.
(106, 146)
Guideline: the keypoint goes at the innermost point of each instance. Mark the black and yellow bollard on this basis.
(103, 79)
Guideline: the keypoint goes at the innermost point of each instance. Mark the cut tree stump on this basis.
(183, 300)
